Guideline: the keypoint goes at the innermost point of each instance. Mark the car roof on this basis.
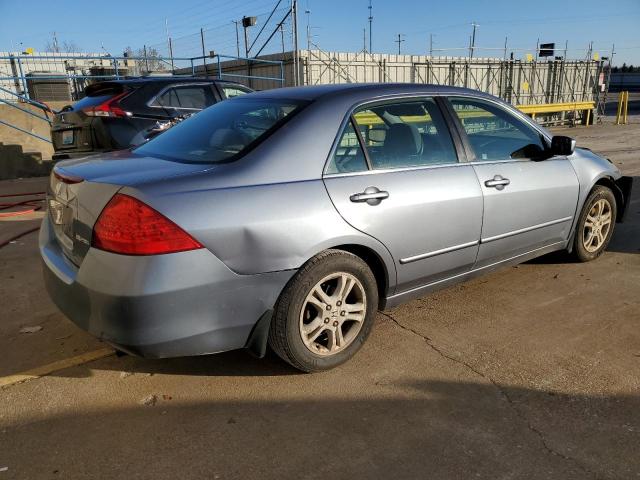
(360, 90)
(168, 79)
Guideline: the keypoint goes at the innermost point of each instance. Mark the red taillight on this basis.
(110, 108)
(128, 226)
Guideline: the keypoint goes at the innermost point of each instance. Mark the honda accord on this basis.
(289, 217)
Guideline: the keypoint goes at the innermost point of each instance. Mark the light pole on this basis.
(246, 23)
(236, 22)
(472, 45)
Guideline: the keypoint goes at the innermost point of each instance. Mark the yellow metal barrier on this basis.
(623, 107)
(370, 118)
(533, 110)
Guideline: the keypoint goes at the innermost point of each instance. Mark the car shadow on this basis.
(397, 429)
(626, 235)
(237, 363)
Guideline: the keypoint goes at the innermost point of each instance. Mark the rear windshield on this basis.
(97, 94)
(92, 101)
(222, 132)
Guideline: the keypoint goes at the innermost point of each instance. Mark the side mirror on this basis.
(561, 145)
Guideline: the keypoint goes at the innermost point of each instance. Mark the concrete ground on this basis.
(531, 372)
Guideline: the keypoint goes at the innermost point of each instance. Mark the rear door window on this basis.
(405, 134)
(348, 156)
(188, 97)
(233, 91)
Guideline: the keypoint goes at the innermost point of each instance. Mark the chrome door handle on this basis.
(371, 195)
(498, 182)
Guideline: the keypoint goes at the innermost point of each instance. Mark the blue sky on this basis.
(337, 25)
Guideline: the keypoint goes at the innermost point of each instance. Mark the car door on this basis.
(529, 203)
(394, 174)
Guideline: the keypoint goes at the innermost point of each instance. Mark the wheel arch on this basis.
(621, 203)
(375, 263)
(610, 183)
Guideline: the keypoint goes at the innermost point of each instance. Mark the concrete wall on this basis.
(22, 155)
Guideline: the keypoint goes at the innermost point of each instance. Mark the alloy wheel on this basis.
(333, 313)
(597, 225)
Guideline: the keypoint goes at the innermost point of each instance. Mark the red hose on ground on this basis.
(35, 203)
(22, 194)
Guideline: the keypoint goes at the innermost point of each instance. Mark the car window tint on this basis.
(231, 92)
(348, 156)
(168, 99)
(192, 97)
(406, 134)
(496, 134)
(195, 96)
(221, 132)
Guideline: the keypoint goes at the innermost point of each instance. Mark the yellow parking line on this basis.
(55, 366)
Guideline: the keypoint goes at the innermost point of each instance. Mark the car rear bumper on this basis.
(179, 304)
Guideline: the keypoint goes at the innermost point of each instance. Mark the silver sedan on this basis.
(288, 217)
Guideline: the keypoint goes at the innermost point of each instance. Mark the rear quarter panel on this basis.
(260, 228)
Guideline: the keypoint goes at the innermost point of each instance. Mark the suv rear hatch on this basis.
(72, 129)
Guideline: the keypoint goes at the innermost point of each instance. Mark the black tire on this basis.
(285, 332)
(579, 251)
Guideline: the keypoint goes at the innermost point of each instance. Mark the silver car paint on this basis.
(264, 215)
(186, 303)
(257, 229)
(428, 210)
(536, 208)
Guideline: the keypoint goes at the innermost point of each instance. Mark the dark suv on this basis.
(120, 114)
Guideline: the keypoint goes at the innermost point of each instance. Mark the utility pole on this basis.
(399, 41)
(308, 14)
(282, 39)
(146, 60)
(370, 31)
(472, 45)
(364, 40)
(237, 38)
(431, 45)
(504, 57)
(169, 43)
(204, 58)
(246, 38)
(294, 12)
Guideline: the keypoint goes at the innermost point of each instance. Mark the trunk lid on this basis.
(79, 190)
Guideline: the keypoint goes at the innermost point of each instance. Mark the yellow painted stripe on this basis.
(55, 366)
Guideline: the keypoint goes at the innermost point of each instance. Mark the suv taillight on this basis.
(130, 227)
(110, 108)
